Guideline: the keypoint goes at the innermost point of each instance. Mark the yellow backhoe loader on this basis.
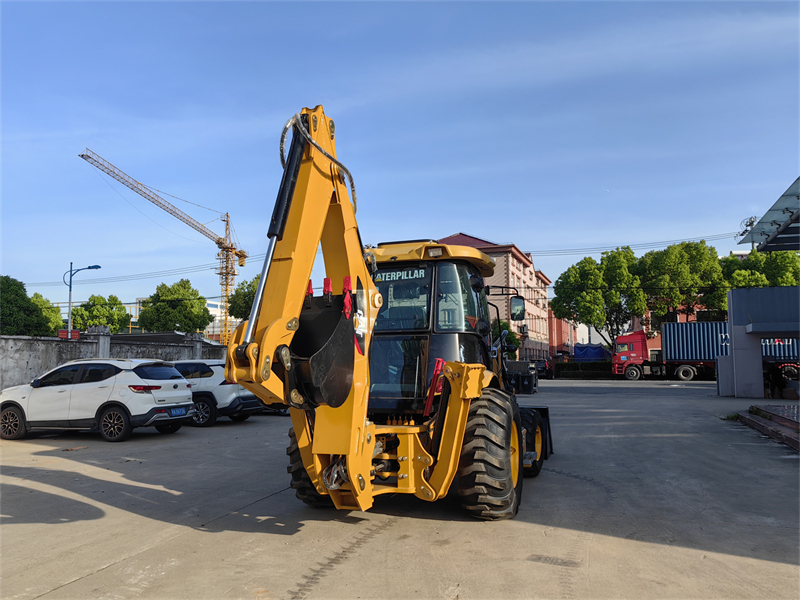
(391, 377)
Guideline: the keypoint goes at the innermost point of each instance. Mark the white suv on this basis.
(213, 395)
(111, 395)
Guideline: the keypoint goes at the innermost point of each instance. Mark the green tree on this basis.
(51, 313)
(604, 295)
(511, 338)
(762, 269)
(682, 278)
(241, 300)
(99, 311)
(19, 315)
(176, 307)
(782, 268)
(745, 279)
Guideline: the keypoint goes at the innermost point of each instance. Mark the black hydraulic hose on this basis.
(288, 182)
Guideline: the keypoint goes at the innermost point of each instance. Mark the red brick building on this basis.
(562, 335)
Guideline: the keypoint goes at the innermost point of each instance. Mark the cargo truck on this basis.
(689, 350)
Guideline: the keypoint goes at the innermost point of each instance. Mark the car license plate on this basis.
(177, 412)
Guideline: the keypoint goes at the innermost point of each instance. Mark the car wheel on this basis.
(115, 426)
(239, 418)
(168, 427)
(205, 412)
(789, 372)
(12, 423)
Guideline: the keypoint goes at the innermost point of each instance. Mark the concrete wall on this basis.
(23, 358)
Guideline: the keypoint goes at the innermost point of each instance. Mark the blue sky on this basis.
(552, 125)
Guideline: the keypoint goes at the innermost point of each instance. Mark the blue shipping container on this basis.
(706, 341)
(694, 341)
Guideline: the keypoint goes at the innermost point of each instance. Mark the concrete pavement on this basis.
(650, 494)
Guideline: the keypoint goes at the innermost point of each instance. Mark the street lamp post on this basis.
(71, 273)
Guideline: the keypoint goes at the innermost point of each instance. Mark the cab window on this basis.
(406, 297)
(457, 305)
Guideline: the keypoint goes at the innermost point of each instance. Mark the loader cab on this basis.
(434, 306)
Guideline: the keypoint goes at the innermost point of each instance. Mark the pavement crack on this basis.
(310, 579)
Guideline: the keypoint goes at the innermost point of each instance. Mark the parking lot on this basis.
(650, 494)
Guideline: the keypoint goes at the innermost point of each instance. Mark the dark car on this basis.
(545, 369)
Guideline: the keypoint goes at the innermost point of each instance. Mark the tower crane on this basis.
(229, 255)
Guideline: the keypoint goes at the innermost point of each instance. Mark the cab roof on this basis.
(420, 250)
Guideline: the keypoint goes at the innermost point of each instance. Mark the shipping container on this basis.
(694, 341)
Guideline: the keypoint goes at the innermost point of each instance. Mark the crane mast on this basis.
(229, 255)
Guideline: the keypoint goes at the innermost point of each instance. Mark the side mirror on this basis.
(517, 308)
(509, 348)
(36, 383)
(476, 283)
(483, 328)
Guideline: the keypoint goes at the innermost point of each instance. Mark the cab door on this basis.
(49, 402)
(91, 389)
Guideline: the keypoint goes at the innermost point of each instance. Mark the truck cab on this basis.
(630, 353)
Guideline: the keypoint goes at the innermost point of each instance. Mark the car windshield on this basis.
(158, 371)
(406, 297)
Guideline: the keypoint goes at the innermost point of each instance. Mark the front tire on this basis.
(632, 374)
(535, 439)
(12, 423)
(490, 466)
(301, 481)
(115, 425)
(205, 412)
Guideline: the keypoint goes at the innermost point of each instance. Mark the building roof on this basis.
(779, 228)
(462, 239)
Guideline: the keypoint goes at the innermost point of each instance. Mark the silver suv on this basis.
(214, 396)
(113, 396)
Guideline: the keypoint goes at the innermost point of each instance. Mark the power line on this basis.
(642, 246)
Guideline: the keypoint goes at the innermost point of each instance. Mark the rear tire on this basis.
(684, 373)
(115, 425)
(206, 412)
(301, 482)
(12, 423)
(168, 427)
(535, 439)
(632, 373)
(239, 418)
(490, 467)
